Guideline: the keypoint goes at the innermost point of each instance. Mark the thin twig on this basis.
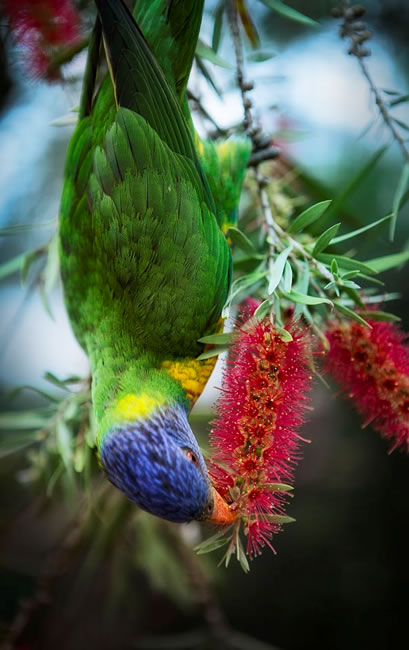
(197, 104)
(358, 34)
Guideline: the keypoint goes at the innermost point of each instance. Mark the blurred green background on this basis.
(339, 579)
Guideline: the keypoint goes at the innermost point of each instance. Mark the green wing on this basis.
(142, 257)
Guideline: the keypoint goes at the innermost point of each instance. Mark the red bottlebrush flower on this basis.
(254, 437)
(41, 26)
(372, 365)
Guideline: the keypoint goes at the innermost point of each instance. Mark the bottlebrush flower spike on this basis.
(255, 444)
(372, 365)
(41, 26)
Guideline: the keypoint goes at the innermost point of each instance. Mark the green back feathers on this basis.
(142, 258)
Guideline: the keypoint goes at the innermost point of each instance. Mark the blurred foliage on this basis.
(97, 551)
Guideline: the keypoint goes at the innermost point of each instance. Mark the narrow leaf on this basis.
(260, 56)
(64, 443)
(284, 334)
(389, 261)
(399, 100)
(304, 299)
(217, 339)
(26, 227)
(240, 240)
(262, 310)
(402, 125)
(248, 24)
(214, 352)
(288, 12)
(206, 52)
(359, 231)
(278, 519)
(277, 269)
(213, 546)
(379, 316)
(339, 201)
(217, 27)
(397, 199)
(11, 266)
(308, 217)
(278, 487)
(287, 277)
(351, 314)
(29, 260)
(23, 420)
(325, 239)
(209, 540)
(347, 263)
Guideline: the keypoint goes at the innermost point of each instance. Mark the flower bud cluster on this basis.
(254, 438)
(372, 365)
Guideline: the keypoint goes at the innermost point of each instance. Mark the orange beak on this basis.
(222, 514)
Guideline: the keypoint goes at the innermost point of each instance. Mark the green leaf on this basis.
(287, 277)
(243, 283)
(397, 199)
(206, 52)
(64, 443)
(304, 299)
(359, 231)
(262, 310)
(301, 286)
(276, 270)
(388, 91)
(16, 391)
(214, 352)
(217, 27)
(62, 383)
(278, 519)
(203, 69)
(248, 25)
(15, 443)
(334, 267)
(380, 316)
(11, 266)
(354, 295)
(260, 56)
(347, 263)
(339, 201)
(402, 125)
(399, 100)
(389, 261)
(49, 275)
(308, 216)
(218, 339)
(351, 314)
(277, 487)
(284, 334)
(22, 420)
(26, 227)
(241, 240)
(29, 260)
(241, 556)
(325, 239)
(288, 12)
(369, 278)
(201, 548)
(214, 546)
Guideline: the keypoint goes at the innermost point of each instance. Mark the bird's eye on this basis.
(191, 456)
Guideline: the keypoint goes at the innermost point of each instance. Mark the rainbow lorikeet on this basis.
(145, 266)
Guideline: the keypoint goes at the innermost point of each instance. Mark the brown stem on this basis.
(358, 35)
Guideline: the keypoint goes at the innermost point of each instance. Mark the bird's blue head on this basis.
(156, 462)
